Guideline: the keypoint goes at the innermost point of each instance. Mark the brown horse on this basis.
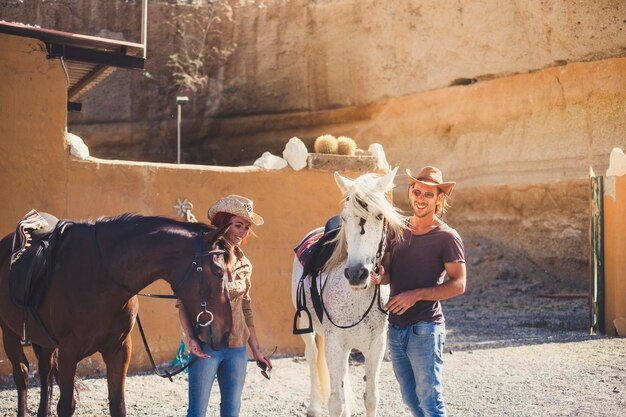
(90, 305)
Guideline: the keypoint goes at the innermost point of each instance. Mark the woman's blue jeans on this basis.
(229, 365)
(417, 358)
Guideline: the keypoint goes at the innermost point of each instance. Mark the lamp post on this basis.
(180, 100)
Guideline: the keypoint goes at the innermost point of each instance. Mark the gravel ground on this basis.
(509, 352)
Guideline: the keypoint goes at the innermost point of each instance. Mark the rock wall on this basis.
(301, 56)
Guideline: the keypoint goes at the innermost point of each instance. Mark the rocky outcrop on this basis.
(305, 57)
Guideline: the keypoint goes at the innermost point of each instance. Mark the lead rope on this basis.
(379, 260)
(165, 374)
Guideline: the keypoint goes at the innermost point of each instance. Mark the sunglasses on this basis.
(267, 373)
(427, 194)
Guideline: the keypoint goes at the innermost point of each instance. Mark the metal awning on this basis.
(87, 59)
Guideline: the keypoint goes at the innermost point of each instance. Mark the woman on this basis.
(230, 363)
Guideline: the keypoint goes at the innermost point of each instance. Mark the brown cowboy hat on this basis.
(237, 205)
(431, 176)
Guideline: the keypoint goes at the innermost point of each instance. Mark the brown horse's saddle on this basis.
(33, 249)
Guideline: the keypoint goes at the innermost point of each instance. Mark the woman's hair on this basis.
(222, 218)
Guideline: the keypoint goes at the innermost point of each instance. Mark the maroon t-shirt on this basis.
(418, 262)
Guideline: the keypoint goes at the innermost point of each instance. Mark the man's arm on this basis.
(400, 303)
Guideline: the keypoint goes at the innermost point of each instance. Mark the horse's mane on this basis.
(363, 190)
(161, 222)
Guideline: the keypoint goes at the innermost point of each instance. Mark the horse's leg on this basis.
(46, 366)
(337, 358)
(322, 368)
(15, 353)
(310, 353)
(373, 360)
(67, 362)
(117, 360)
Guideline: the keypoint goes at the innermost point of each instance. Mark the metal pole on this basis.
(144, 26)
(178, 135)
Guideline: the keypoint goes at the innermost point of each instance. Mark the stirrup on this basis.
(296, 329)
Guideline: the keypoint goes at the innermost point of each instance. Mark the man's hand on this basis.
(380, 277)
(400, 303)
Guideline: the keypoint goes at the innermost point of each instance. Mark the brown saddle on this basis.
(34, 248)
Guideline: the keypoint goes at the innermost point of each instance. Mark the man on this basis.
(415, 267)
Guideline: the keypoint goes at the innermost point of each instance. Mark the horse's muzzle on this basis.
(357, 276)
(220, 344)
(207, 335)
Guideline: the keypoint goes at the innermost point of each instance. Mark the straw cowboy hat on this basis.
(431, 176)
(237, 205)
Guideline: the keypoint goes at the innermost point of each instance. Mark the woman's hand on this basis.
(262, 360)
(196, 348)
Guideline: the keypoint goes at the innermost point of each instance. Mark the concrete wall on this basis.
(36, 171)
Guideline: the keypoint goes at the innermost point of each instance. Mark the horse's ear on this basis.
(222, 230)
(344, 183)
(215, 234)
(385, 183)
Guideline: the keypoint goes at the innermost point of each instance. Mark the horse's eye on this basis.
(361, 202)
(379, 216)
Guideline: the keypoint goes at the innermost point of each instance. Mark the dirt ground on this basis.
(509, 352)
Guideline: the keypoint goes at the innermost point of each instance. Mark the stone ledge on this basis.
(331, 162)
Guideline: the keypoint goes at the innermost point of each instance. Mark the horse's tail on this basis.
(322, 368)
(79, 386)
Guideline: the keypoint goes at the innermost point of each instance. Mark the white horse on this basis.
(352, 317)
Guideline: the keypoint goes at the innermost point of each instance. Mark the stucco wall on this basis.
(37, 172)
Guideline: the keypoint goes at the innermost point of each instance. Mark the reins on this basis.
(301, 295)
(199, 254)
(378, 260)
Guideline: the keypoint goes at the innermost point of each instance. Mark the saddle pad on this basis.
(303, 250)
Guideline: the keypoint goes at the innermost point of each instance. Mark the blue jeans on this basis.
(229, 364)
(417, 358)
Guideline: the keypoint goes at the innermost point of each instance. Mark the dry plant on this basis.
(200, 44)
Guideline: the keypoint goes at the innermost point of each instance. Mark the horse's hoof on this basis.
(313, 413)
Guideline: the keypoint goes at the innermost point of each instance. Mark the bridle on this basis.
(377, 263)
(383, 241)
(195, 266)
(317, 296)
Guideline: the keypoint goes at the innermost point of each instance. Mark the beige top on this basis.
(239, 291)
